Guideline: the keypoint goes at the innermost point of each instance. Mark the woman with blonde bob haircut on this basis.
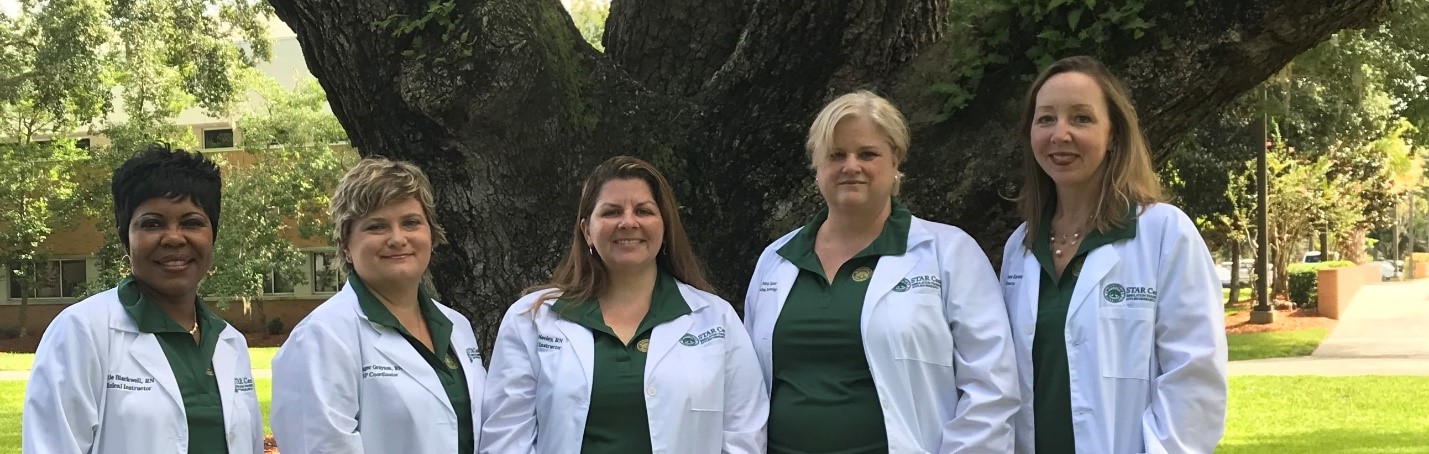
(1112, 294)
(380, 366)
(627, 349)
(872, 324)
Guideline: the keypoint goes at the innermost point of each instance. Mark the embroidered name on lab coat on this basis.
(129, 383)
(242, 384)
(691, 340)
(768, 286)
(379, 371)
(549, 343)
(926, 281)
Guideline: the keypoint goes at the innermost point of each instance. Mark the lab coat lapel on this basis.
(150, 356)
(401, 353)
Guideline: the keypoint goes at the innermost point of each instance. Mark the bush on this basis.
(1303, 281)
(275, 326)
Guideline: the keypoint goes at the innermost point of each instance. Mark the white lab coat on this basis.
(1145, 340)
(935, 335)
(100, 385)
(344, 384)
(703, 393)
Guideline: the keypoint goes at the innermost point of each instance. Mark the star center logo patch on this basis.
(1114, 293)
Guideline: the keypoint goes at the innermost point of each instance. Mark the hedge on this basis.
(1303, 281)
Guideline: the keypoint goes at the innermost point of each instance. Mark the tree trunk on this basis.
(1232, 299)
(509, 109)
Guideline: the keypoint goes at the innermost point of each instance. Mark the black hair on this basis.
(159, 171)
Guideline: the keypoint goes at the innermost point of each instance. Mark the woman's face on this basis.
(390, 246)
(858, 171)
(625, 228)
(1071, 129)
(170, 246)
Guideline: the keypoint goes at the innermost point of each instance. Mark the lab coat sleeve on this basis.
(509, 408)
(61, 410)
(315, 393)
(1188, 401)
(746, 403)
(983, 358)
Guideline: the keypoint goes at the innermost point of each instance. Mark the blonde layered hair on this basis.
(582, 275)
(859, 104)
(1128, 178)
(374, 183)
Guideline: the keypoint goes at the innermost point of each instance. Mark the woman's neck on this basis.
(629, 286)
(397, 297)
(855, 224)
(182, 309)
(1075, 206)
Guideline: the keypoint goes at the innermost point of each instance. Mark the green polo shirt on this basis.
(822, 397)
(1051, 381)
(616, 421)
(447, 366)
(192, 363)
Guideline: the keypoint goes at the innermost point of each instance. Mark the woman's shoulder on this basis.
(337, 310)
(94, 310)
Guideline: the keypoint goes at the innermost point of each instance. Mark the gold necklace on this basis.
(194, 330)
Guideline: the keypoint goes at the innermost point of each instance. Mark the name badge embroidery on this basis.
(768, 286)
(380, 371)
(121, 382)
(545, 342)
(242, 384)
(472, 355)
(1116, 293)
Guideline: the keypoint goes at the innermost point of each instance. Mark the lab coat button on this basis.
(650, 391)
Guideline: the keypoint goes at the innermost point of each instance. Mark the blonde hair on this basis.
(582, 275)
(859, 104)
(374, 183)
(1128, 178)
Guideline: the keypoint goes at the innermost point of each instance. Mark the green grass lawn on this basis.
(1297, 414)
(1225, 296)
(12, 395)
(1276, 344)
(261, 357)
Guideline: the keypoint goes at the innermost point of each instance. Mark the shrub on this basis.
(1303, 281)
(275, 326)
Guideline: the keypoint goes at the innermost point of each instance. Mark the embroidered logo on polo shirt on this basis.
(926, 281)
(691, 340)
(644, 345)
(862, 274)
(1114, 293)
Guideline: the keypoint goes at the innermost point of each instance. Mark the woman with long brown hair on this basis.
(1112, 294)
(627, 349)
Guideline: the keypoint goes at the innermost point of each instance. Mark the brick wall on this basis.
(290, 311)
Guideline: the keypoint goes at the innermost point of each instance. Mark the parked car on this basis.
(1387, 268)
(1312, 257)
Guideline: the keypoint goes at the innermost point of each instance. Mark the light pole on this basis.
(1262, 313)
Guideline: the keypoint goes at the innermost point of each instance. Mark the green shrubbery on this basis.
(1303, 281)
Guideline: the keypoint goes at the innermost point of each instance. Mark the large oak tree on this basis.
(507, 107)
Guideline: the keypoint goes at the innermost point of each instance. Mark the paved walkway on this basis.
(1385, 331)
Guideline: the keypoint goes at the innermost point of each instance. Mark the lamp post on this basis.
(1262, 313)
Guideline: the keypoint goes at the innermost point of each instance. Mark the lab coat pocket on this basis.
(708, 395)
(1126, 338)
(923, 335)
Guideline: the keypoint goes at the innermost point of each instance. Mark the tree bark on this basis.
(508, 109)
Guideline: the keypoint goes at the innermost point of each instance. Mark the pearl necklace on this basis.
(1062, 242)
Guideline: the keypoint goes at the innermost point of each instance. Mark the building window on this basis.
(82, 144)
(275, 282)
(218, 138)
(52, 279)
(327, 272)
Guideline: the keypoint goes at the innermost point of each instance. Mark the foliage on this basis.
(1304, 281)
(589, 17)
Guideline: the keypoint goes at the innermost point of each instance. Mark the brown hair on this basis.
(372, 184)
(1128, 178)
(581, 275)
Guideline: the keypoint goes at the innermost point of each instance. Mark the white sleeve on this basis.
(1188, 404)
(508, 410)
(746, 403)
(983, 360)
(315, 393)
(1022, 422)
(61, 409)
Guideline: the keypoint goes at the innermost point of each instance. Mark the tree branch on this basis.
(673, 46)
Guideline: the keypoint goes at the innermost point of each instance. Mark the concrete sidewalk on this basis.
(1385, 331)
(22, 375)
